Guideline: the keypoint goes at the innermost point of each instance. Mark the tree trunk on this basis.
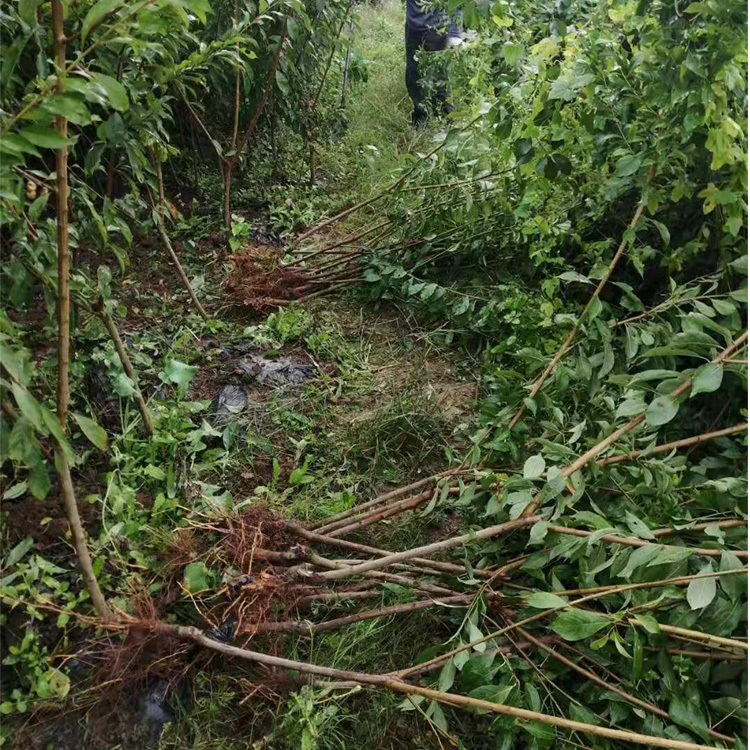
(63, 339)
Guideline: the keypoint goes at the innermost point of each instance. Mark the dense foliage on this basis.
(578, 226)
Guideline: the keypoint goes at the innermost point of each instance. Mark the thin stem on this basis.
(613, 437)
(667, 447)
(127, 365)
(562, 351)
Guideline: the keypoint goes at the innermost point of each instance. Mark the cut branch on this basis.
(613, 437)
(634, 542)
(668, 447)
(430, 566)
(431, 549)
(292, 626)
(603, 591)
(331, 522)
(589, 675)
(343, 214)
(196, 636)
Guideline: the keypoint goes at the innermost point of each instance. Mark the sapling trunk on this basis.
(63, 337)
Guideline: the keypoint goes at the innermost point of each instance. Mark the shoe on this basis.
(418, 118)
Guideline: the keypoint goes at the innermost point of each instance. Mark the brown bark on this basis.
(196, 636)
(63, 346)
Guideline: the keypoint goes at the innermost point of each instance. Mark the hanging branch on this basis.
(563, 350)
(613, 437)
(63, 336)
(167, 243)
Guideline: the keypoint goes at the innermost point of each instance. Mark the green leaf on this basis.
(68, 106)
(27, 11)
(688, 714)
(540, 731)
(97, 13)
(639, 558)
(662, 410)
(196, 577)
(628, 165)
(43, 136)
(577, 624)
(179, 373)
(512, 53)
(38, 206)
(447, 675)
(15, 491)
(649, 623)
(123, 385)
(29, 407)
(701, 591)
(534, 467)
(734, 586)
(707, 378)
(18, 551)
(545, 600)
(637, 526)
(94, 432)
(155, 472)
(114, 90)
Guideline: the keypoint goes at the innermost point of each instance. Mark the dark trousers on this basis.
(430, 41)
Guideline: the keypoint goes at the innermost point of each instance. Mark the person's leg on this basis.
(412, 41)
(435, 42)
